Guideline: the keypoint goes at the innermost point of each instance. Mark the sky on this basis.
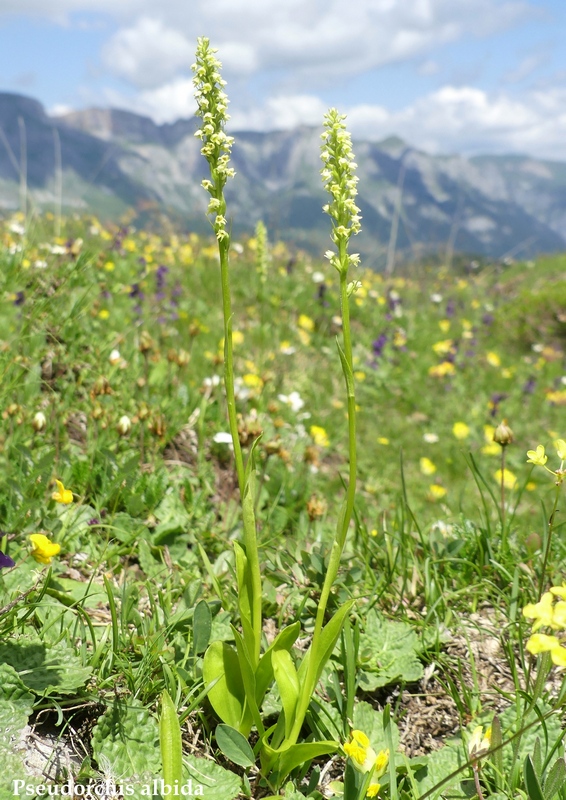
(447, 76)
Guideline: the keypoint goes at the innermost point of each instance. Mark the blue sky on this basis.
(464, 76)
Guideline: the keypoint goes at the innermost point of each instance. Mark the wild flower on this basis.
(427, 466)
(62, 495)
(436, 491)
(124, 425)
(6, 562)
(39, 422)
(539, 458)
(43, 549)
(222, 437)
(480, 742)
(319, 435)
(306, 323)
(430, 438)
(509, 478)
(442, 370)
(293, 400)
(461, 430)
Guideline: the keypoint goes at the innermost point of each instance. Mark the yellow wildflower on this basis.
(319, 435)
(381, 762)
(537, 456)
(560, 446)
(43, 548)
(306, 323)
(493, 359)
(509, 478)
(541, 643)
(441, 370)
(427, 466)
(373, 789)
(383, 440)
(360, 751)
(62, 495)
(444, 325)
(104, 313)
(443, 347)
(436, 492)
(460, 430)
(542, 612)
(252, 381)
(479, 741)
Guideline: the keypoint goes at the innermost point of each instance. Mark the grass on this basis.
(107, 322)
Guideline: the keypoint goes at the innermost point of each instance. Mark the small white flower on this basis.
(39, 421)
(238, 248)
(16, 227)
(318, 277)
(210, 382)
(58, 250)
(288, 351)
(40, 263)
(114, 357)
(124, 425)
(430, 438)
(222, 437)
(294, 400)
(436, 298)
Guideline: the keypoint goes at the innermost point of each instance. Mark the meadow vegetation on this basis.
(166, 608)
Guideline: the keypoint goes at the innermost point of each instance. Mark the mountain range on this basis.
(105, 161)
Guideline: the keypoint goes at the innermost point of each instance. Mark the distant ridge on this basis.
(114, 159)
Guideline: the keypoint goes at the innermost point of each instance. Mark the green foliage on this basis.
(389, 652)
(126, 737)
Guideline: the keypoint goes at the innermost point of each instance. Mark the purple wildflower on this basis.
(19, 299)
(378, 344)
(529, 385)
(6, 561)
(450, 309)
(487, 319)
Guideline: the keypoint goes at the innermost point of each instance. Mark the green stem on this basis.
(548, 543)
(249, 524)
(347, 508)
(503, 529)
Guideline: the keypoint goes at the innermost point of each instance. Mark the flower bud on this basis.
(124, 425)
(39, 422)
(503, 434)
(146, 342)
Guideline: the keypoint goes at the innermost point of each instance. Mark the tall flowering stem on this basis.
(212, 103)
(340, 181)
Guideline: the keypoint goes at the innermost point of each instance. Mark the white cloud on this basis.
(452, 119)
(167, 103)
(147, 54)
(306, 38)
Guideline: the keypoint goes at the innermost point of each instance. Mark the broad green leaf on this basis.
(202, 626)
(227, 696)
(125, 743)
(388, 652)
(234, 746)
(439, 765)
(170, 742)
(532, 783)
(288, 685)
(555, 779)
(248, 679)
(218, 783)
(299, 754)
(16, 704)
(284, 640)
(326, 643)
(44, 668)
(370, 721)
